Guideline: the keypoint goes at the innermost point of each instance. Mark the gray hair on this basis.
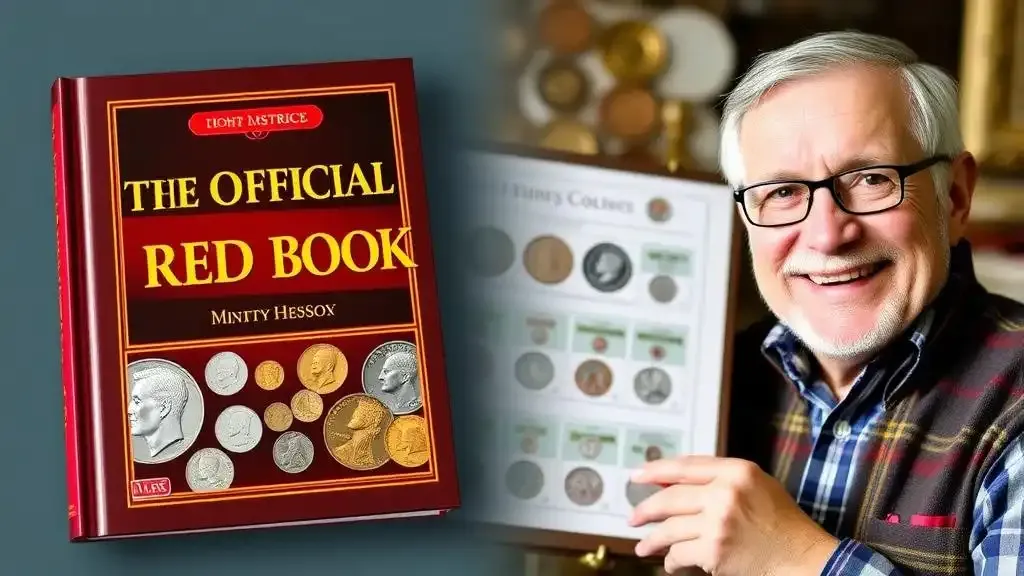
(934, 113)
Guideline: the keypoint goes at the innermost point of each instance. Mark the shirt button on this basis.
(842, 430)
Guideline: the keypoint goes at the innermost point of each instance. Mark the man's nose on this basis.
(828, 228)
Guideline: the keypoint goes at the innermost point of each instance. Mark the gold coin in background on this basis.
(269, 375)
(322, 368)
(632, 50)
(569, 136)
(563, 86)
(565, 27)
(354, 431)
(548, 259)
(307, 406)
(407, 441)
(278, 417)
(631, 113)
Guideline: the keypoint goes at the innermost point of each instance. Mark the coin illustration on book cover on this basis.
(278, 417)
(491, 252)
(524, 479)
(322, 368)
(307, 406)
(652, 385)
(607, 267)
(269, 375)
(534, 370)
(391, 374)
(662, 288)
(548, 259)
(226, 373)
(165, 410)
(209, 469)
(293, 452)
(407, 441)
(238, 429)
(584, 486)
(593, 378)
(354, 432)
(637, 493)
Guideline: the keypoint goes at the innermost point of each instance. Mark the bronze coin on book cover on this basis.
(278, 417)
(354, 431)
(630, 112)
(563, 86)
(391, 374)
(208, 470)
(548, 259)
(593, 378)
(565, 135)
(565, 27)
(322, 368)
(165, 410)
(307, 406)
(293, 452)
(632, 50)
(584, 486)
(659, 210)
(408, 441)
(269, 375)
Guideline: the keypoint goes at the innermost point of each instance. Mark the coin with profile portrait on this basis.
(165, 410)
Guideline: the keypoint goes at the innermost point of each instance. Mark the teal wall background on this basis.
(41, 39)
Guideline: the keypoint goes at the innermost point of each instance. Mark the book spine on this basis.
(63, 158)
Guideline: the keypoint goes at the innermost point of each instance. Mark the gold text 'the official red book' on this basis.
(249, 318)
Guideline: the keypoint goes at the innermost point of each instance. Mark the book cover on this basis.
(249, 321)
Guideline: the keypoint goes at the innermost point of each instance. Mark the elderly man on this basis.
(877, 418)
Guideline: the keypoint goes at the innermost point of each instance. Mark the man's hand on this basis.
(727, 517)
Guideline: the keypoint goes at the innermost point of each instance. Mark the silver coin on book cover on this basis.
(165, 410)
(534, 370)
(209, 469)
(584, 486)
(524, 480)
(238, 429)
(226, 373)
(652, 385)
(293, 452)
(391, 375)
(607, 267)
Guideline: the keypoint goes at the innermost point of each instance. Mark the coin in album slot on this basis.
(293, 452)
(269, 375)
(278, 417)
(238, 429)
(524, 480)
(407, 441)
(529, 444)
(491, 251)
(593, 378)
(563, 86)
(307, 406)
(657, 352)
(652, 386)
(652, 453)
(391, 375)
(208, 470)
(539, 335)
(165, 410)
(322, 368)
(534, 370)
(663, 289)
(600, 344)
(584, 486)
(548, 259)
(566, 28)
(631, 113)
(607, 267)
(226, 373)
(589, 446)
(637, 493)
(659, 210)
(354, 431)
(572, 136)
(632, 51)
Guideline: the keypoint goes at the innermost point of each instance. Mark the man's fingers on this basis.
(671, 531)
(686, 554)
(695, 469)
(677, 500)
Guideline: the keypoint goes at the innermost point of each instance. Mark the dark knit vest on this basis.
(941, 432)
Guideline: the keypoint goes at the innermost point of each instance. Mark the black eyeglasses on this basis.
(860, 191)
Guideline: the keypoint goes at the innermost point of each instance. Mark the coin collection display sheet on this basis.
(602, 302)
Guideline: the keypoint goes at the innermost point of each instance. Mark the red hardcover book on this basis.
(249, 320)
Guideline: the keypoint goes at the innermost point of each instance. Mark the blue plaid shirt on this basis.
(997, 535)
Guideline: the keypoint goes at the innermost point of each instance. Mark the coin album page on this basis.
(601, 320)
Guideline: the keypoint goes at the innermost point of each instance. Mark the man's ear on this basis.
(964, 177)
(165, 409)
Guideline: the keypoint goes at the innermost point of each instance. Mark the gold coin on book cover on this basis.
(307, 406)
(278, 417)
(269, 375)
(563, 135)
(322, 368)
(408, 441)
(354, 431)
(548, 259)
(633, 50)
(563, 86)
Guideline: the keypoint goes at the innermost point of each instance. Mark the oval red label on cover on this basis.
(255, 120)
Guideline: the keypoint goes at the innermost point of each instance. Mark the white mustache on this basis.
(805, 263)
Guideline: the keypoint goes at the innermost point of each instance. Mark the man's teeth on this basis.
(826, 279)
